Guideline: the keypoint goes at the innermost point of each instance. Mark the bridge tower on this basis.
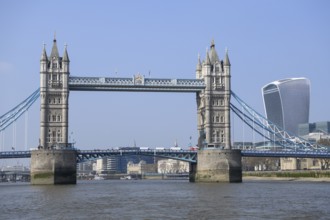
(216, 162)
(55, 161)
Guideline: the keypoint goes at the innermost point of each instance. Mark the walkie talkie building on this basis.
(286, 103)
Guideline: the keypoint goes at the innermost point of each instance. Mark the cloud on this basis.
(5, 67)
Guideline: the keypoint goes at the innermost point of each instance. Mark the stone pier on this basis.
(215, 165)
(53, 167)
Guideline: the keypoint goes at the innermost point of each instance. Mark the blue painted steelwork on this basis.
(184, 155)
(137, 84)
(15, 154)
(85, 155)
(12, 115)
(295, 154)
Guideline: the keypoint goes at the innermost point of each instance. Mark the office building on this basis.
(286, 103)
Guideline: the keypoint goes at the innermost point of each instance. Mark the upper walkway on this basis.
(137, 84)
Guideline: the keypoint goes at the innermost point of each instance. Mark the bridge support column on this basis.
(192, 171)
(215, 165)
(53, 167)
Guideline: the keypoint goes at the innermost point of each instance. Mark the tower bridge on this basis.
(212, 88)
(55, 160)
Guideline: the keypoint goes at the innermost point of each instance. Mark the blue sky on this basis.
(267, 41)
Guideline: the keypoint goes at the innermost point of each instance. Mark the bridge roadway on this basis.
(184, 155)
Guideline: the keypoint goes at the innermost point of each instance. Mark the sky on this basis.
(267, 41)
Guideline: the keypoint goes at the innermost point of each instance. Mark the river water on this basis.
(166, 199)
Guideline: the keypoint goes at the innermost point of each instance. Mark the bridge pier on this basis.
(217, 165)
(53, 167)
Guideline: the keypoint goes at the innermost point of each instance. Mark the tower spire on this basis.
(44, 54)
(213, 53)
(226, 62)
(207, 58)
(65, 55)
(199, 64)
(212, 43)
(54, 52)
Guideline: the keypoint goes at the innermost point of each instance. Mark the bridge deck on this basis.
(184, 155)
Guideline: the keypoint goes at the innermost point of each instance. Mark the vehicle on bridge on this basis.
(175, 148)
(195, 148)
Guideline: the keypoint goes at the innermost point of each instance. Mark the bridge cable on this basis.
(12, 115)
(282, 135)
(26, 129)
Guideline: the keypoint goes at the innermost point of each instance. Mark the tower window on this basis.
(222, 137)
(58, 137)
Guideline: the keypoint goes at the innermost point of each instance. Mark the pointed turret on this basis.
(44, 54)
(199, 68)
(207, 58)
(65, 55)
(199, 64)
(226, 62)
(213, 53)
(54, 52)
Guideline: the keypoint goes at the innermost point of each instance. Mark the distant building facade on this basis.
(300, 164)
(286, 103)
(167, 166)
(118, 164)
(141, 168)
(322, 127)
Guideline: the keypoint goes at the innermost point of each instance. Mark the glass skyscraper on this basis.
(286, 103)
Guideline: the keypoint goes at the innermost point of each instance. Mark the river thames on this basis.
(166, 199)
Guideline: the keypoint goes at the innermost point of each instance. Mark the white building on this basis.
(101, 165)
(172, 166)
